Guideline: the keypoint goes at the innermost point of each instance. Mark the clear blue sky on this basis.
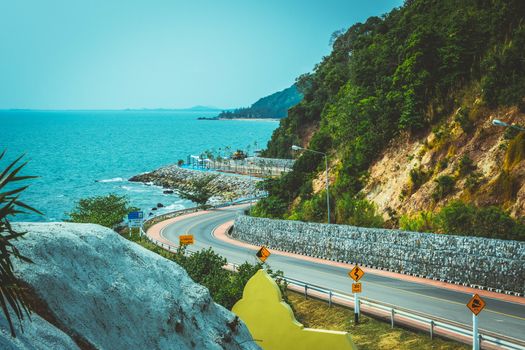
(107, 54)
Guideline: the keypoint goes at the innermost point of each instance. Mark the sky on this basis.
(115, 54)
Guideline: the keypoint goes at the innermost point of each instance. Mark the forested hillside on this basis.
(275, 105)
(422, 84)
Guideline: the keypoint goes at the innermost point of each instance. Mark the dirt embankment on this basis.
(479, 162)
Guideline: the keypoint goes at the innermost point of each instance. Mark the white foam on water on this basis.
(115, 179)
(134, 189)
(172, 207)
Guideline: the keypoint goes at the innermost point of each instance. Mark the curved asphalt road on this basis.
(499, 316)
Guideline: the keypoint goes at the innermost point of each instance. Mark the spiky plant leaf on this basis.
(12, 297)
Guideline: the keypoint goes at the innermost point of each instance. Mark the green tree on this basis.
(12, 295)
(200, 190)
(108, 211)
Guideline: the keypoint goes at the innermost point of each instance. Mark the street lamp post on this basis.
(497, 122)
(297, 148)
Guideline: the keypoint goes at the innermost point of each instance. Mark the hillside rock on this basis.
(486, 147)
(113, 294)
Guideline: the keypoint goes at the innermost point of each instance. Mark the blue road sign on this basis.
(136, 215)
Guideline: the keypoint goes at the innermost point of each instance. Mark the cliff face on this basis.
(486, 165)
(108, 293)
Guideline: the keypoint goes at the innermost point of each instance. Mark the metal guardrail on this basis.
(487, 338)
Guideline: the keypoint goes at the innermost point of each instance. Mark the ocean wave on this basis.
(134, 189)
(173, 207)
(115, 179)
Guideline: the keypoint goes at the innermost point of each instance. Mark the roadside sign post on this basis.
(135, 220)
(186, 240)
(356, 308)
(475, 332)
(357, 288)
(263, 254)
(476, 304)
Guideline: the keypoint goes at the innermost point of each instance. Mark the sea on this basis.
(79, 154)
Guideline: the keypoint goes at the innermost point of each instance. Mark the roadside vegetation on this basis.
(369, 334)
(466, 219)
(13, 298)
(108, 211)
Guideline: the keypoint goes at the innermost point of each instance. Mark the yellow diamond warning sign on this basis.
(476, 304)
(357, 287)
(356, 273)
(263, 254)
(185, 239)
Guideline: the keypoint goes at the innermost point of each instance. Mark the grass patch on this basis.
(369, 334)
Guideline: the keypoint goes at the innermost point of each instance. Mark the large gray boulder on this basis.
(113, 294)
(37, 334)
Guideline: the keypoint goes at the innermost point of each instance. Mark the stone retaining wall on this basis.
(491, 263)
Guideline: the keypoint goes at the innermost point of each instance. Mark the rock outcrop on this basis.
(227, 186)
(108, 293)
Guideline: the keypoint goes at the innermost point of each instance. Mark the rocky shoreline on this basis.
(173, 178)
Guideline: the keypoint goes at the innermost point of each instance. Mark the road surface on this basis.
(503, 317)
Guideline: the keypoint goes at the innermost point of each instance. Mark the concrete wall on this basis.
(491, 263)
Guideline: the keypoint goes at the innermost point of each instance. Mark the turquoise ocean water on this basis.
(78, 154)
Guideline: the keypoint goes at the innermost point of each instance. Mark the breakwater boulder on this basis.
(227, 186)
(101, 291)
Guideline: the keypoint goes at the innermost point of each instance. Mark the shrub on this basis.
(422, 221)
(358, 212)
(444, 186)
(269, 207)
(462, 118)
(108, 211)
(466, 219)
(465, 166)
(457, 218)
(473, 181)
(442, 164)
(313, 209)
(418, 177)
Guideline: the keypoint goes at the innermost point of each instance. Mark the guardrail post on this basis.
(431, 329)
(392, 316)
(329, 298)
(306, 291)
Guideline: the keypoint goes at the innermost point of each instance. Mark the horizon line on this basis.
(195, 108)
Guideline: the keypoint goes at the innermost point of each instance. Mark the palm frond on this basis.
(12, 297)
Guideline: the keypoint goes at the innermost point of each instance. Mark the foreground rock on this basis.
(108, 293)
(37, 334)
(227, 187)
